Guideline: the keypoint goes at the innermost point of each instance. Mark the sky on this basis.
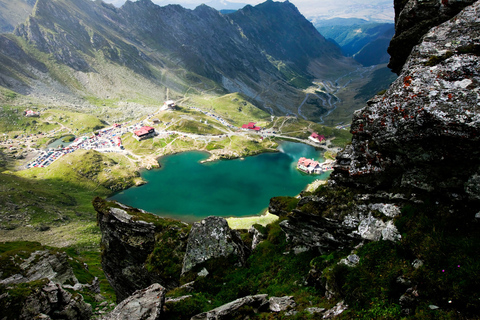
(378, 10)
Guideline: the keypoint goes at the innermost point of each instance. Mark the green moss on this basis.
(188, 308)
(167, 257)
(469, 49)
(268, 270)
(446, 241)
(93, 260)
(434, 60)
(285, 204)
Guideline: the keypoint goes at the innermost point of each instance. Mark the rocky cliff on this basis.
(133, 241)
(414, 18)
(422, 134)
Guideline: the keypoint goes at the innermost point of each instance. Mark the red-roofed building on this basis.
(309, 166)
(315, 137)
(30, 113)
(251, 126)
(144, 133)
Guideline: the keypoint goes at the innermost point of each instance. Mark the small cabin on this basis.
(168, 105)
(251, 126)
(315, 137)
(309, 166)
(144, 133)
(31, 113)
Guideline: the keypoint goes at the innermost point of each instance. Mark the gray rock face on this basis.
(212, 238)
(257, 237)
(413, 19)
(126, 243)
(47, 301)
(43, 264)
(306, 233)
(228, 311)
(129, 243)
(335, 311)
(427, 120)
(278, 304)
(145, 304)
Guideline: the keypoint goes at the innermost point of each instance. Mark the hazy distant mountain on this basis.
(217, 4)
(366, 41)
(78, 49)
(14, 12)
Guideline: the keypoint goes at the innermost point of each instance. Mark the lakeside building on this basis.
(315, 137)
(144, 133)
(31, 113)
(168, 105)
(309, 166)
(251, 126)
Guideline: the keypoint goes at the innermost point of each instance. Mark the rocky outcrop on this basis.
(145, 304)
(426, 127)
(42, 299)
(259, 303)
(41, 264)
(413, 19)
(137, 253)
(278, 304)
(304, 233)
(210, 239)
(247, 306)
(34, 279)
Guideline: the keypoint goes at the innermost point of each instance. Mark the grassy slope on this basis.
(303, 129)
(53, 205)
(12, 122)
(234, 108)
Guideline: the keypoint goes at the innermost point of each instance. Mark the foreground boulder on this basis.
(139, 248)
(259, 303)
(212, 238)
(144, 304)
(245, 307)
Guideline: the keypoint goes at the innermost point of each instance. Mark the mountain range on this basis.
(75, 52)
(367, 42)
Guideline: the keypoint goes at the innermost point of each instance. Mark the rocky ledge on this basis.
(422, 135)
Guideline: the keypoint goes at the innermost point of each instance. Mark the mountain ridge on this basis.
(214, 51)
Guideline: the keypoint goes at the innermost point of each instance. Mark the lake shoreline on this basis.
(183, 176)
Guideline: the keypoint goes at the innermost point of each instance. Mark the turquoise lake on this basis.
(185, 189)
